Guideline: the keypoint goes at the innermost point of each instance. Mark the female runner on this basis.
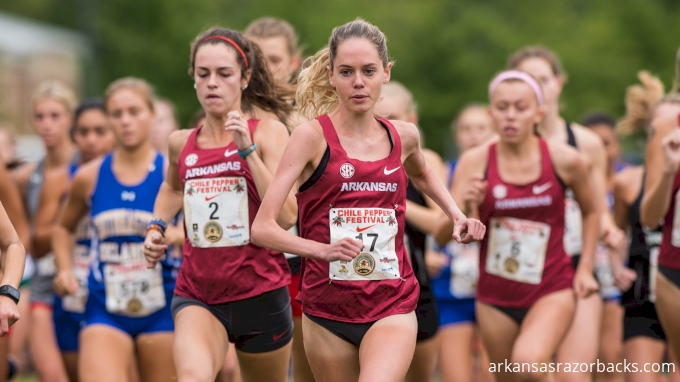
(455, 270)
(659, 207)
(611, 342)
(644, 338)
(279, 43)
(93, 138)
(582, 341)
(228, 289)
(396, 103)
(53, 105)
(128, 307)
(525, 301)
(358, 289)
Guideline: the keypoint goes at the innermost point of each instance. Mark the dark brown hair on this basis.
(262, 90)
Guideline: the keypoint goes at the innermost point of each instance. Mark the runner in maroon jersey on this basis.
(228, 289)
(358, 289)
(661, 206)
(525, 301)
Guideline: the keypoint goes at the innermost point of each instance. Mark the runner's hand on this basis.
(671, 151)
(65, 282)
(468, 230)
(475, 192)
(585, 284)
(624, 277)
(154, 250)
(239, 126)
(614, 238)
(435, 261)
(9, 314)
(344, 249)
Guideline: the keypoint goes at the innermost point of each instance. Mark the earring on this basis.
(194, 85)
(244, 87)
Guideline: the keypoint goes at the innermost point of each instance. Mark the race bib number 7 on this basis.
(517, 249)
(377, 228)
(216, 212)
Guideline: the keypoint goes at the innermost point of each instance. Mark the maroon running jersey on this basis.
(220, 203)
(364, 201)
(522, 256)
(669, 252)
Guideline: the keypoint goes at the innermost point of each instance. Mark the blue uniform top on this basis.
(119, 214)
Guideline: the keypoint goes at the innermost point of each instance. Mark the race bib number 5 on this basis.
(134, 290)
(216, 212)
(517, 249)
(377, 228)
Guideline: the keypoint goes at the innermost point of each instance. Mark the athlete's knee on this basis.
(527, 366)
(195, 373)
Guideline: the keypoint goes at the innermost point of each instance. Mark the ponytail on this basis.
(640, 101)
(315, 95)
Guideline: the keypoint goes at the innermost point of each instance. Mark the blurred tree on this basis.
(445, 52)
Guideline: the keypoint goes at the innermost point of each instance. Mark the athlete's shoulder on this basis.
(86, 176)
(405, 129)
(178, 138)
(628, 175)
(565, 158)
(308, 130)
(270, 126)
(586, 138)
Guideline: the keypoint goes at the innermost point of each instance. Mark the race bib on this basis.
(573, 228)
(45, 266)
(464, 269)
(675, 236)
(377, 228)
(133, 290)
(653, 270)
(516, 249)
(81, 270)
(216, 212)
(604, 274)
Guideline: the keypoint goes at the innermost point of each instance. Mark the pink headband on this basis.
(517, 75)
(230, 41)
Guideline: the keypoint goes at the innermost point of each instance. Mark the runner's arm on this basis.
(170, 196)
(271, 137)
(14, 207)
(14, 254)
(426, 218)
(659, 179)
(52, 191)
(75, 209)
(573, 171)
(427, 180)
(302, 149)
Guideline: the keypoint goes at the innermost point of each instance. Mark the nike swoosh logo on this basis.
(209, 198)
(277, 337)
(230, 153)
(539, 189)
(388, 172)
(359, 229)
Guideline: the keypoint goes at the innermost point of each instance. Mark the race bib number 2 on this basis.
(517, 249)
(216, 212)
(377, 228)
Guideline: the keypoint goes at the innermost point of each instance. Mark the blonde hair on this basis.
(315, 95)
(641, 100)
(57, 91)
(400, 91)
(268, 27)
(138, 85)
